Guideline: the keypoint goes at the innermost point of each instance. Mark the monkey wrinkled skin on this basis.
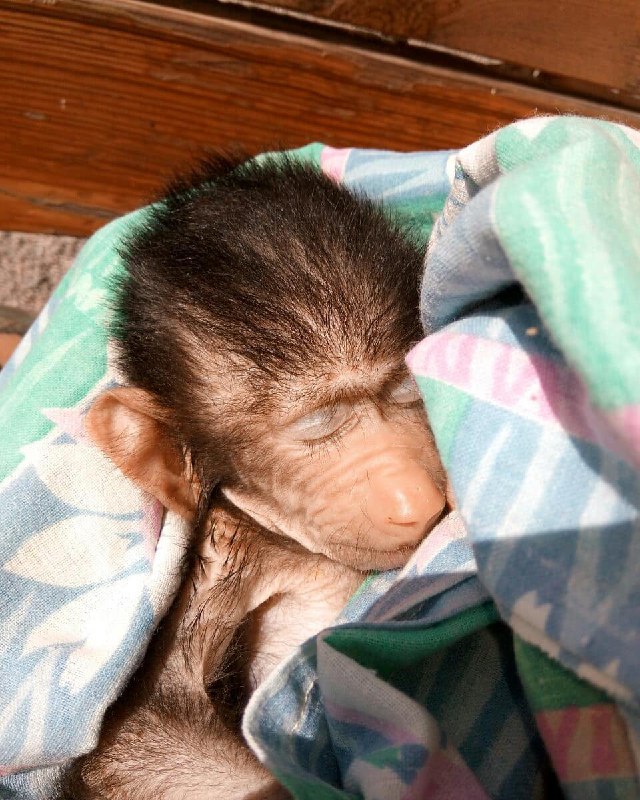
(261, 328)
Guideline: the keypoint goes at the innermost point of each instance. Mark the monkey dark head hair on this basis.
(263, 271)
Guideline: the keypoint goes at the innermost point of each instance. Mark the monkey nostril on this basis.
(403, 509)
(420, 517)
(412, 523)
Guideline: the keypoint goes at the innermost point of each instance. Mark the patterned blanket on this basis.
(503, 660)
(507, 659)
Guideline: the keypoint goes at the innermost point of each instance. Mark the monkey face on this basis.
(358, 481)
(356, 478)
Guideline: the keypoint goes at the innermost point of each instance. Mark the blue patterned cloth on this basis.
(503, 660)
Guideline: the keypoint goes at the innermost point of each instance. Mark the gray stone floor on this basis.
(31, 266)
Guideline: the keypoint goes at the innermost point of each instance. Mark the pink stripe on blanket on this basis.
(444, 776)
(449, 530)
(69, 421)
(625, 425)
(333, 162)
(587, 743)
(393, 733)
(530, 386)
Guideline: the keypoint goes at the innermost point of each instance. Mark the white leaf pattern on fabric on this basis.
(75, 555)
(113, 609)
(38, 682)
(86, 294)
(98, 618)
(81, 476)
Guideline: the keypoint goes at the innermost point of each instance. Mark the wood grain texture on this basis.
(102, 100)
(588, 41)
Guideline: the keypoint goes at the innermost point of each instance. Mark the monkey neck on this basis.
(224, 637)
(171, 735)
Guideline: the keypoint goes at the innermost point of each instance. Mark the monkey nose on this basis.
(405, 505)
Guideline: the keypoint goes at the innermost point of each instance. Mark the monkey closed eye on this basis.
(322, 423)
(406, 392)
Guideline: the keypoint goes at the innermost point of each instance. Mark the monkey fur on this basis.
(261, 325)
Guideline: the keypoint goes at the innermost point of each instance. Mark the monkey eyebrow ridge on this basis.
(351, 389)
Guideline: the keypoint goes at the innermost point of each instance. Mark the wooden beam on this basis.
(581, 46)
(102, 100)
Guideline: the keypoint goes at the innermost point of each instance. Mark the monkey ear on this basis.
(129, 429)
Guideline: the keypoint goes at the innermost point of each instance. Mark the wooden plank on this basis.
(101, 99)
(583, 41)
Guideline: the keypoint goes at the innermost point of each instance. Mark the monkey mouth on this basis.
(368, 558)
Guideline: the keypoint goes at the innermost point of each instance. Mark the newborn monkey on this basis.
(263, 325)
(263, 328)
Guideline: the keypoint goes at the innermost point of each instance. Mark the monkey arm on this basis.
(242, 608)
